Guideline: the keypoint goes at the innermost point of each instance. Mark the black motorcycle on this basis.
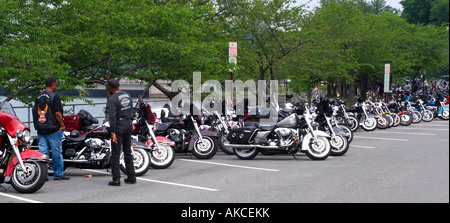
(339, 141)
(188, 135)
(92, 150)
(291, 135)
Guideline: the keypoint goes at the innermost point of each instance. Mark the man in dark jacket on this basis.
(48, 121)
(120, 113)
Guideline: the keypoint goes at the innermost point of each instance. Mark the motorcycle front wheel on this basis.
(382, 122)
(162, 158)
(369, 124)
(31, 179)
(445, 114)
(406, 119)
(205, 149)
(417, 117)
(141, 160)
(319, 149)
(397, 119)
(339, 145)
(353, 124)
(427, 116)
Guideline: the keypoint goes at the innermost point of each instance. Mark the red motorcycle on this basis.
(25, 169)
(162, 152)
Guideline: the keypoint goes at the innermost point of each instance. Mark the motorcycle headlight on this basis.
(23, 136)
(19, 133)
(26, 135)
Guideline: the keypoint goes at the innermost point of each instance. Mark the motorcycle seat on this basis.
(266, 127)
(76, 139)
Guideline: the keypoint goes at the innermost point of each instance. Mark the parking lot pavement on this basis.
(397, 165)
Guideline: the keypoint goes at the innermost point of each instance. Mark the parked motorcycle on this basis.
(90, 147)
(367, 120)
(395, 117)
(427, 115)
(161, 148)
(398, 105)
(339, 143)
(383, 120)
(24, 169)
(291, 135)
(92, 150)
(341, 115)
(221, 125)
(439, 106)
(187, 135)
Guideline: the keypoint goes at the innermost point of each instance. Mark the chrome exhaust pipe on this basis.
(239, 146)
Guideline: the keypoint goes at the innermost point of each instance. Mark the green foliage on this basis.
(342, 42)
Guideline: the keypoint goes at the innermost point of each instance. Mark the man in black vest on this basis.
(48, 121)
(120, 113)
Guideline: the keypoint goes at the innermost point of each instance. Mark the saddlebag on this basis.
(244, 135)
(72, 122)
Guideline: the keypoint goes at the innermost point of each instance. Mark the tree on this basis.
(268, 30)
(416, 11)
(89, 42)
(439, 12)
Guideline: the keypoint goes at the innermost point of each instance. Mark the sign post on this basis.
(232, 54)
(387, 78)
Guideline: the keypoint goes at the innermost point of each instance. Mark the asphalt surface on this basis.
(396, 165)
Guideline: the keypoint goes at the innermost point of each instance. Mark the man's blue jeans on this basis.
(53, 142)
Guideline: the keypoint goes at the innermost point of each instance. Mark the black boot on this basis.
(114, 183)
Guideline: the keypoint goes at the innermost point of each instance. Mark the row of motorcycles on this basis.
(318, 130)
(400, 110)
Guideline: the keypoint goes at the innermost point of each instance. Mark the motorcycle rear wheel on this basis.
(222, 140)
(31, 179)
(141, 160)
(246, 154)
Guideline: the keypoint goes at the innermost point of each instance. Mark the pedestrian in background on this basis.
(48, 121)
(120, 113)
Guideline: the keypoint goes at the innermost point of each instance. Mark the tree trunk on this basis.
(166, 92)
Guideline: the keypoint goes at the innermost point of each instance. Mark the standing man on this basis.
(48, 121)
(120, 115)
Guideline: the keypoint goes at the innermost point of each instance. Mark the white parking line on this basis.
(406, 133)
(365, 147)
(389, 139)
(230, 165)
(433, 125)
(20, 198)
(163, 182)
(430, 129)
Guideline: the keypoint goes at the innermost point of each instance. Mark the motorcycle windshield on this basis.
(9, 120)
(5, 106)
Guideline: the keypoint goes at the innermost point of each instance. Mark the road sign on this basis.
(232, 52)
(387, 78)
